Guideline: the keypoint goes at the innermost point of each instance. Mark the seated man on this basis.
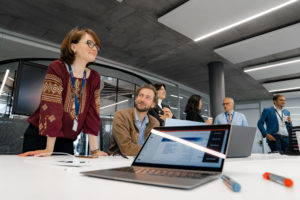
(132, 126)
(230, 116)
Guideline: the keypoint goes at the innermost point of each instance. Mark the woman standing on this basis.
(193, 110)
(70, 100)
(161, 111)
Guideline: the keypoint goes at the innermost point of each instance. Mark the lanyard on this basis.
(281, 117)
(227, 117)
(77, 104)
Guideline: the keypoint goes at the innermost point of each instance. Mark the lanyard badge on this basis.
(281, 117)
(227, 117)
(77, 103)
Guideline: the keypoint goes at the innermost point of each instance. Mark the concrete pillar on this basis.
(216, 87)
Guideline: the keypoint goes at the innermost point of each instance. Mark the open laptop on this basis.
(240, 141)
(164, 162)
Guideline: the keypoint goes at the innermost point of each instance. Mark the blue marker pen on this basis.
(233, 185)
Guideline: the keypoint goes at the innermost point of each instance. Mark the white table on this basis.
(41, 178)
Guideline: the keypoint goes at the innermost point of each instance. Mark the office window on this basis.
(7, 78)
(172, 99)
(126, 92)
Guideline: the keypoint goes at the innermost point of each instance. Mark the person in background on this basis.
(161, 111)
(230, 116)
(70, 100)
(278, 123)
(193, 110)
(132, 126)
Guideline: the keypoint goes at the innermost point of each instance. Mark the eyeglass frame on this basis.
(91, 44)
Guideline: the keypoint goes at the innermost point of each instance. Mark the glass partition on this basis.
(118, 89)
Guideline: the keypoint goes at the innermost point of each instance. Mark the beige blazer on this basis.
(125, 134)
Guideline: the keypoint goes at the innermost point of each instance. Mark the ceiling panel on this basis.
(292, 66)
(263, 45)
(283, 85)
(197, 18)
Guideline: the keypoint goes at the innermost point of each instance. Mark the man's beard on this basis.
(141, 109)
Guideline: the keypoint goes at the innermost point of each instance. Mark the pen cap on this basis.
(288, 182)
(236, 187)
(266, 175)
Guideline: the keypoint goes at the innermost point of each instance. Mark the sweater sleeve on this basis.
(51, 107)
(92, 120)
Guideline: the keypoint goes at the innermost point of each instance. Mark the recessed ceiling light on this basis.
(245, 20)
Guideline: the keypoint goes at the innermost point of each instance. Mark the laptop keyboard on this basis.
(160, 172)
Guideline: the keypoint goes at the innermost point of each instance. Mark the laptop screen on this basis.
(163, 152)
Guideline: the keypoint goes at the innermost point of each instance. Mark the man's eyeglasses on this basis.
(226, 104)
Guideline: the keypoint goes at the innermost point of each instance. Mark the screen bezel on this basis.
(15, 109)
(187, 128)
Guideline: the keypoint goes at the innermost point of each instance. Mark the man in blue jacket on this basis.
(278, 123)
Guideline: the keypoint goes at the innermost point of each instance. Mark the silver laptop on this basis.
(165, 162)
(240, 141)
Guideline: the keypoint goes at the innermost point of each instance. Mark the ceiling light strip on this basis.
(275, 64)
(245, 20)
(285, 89)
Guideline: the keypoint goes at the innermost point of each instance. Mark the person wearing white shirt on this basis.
(278, 122)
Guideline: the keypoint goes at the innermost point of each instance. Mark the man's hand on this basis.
(209, 121)
(163, 117)
(270, 137)
(167, 112)
(288, 118)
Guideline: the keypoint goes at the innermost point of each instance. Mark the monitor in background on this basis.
(293, 148)
(28, 87)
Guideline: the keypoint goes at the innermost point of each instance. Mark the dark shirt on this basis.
(156, 111)
(194, 116)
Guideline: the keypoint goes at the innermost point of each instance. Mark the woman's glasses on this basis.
(92, 45)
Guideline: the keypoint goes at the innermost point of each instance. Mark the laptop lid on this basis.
(294, 138)
(240, 141)
(163, 152)
(179, 122)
